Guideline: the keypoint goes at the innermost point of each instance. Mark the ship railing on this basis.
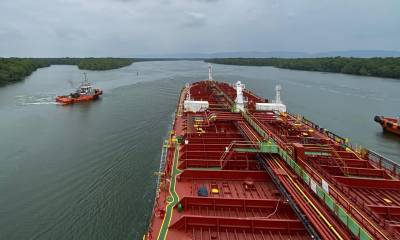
(310, 124)
(163, 159)
(376, 159)
(255, 124)
(385, 163)
(330, 134)
(161, 169)
(344, 197)
(148, 235)
(266, 132)
(229, 150)
(336, 190)
(179, 108)
(226, 96)
(225, 154)
(336, 138)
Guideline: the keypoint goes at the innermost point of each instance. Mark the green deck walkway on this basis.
(173, 199)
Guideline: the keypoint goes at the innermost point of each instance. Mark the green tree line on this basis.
(16, 69)
(378, 67)
(104, 63)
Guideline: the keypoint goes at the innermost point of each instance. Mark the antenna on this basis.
(71, 83)
(278, 89)
(210, 72)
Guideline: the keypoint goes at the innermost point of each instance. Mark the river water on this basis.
(87, 171)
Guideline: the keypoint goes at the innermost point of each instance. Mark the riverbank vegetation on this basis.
(378, 67)
(104, 63)
(16, 69)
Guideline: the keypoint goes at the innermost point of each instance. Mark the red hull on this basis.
(70, 100)
(262, 175)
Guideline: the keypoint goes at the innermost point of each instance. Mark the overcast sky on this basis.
(55, 28)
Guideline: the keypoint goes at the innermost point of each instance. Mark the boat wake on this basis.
(40, 99)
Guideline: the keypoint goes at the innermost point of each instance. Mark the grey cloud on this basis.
(194, 19)
(207, 1)
(130, 27)
(125, 1)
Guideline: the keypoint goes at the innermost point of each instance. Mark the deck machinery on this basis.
(232, 172)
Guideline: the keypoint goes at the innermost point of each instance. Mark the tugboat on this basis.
(389, 124)
(85, 92)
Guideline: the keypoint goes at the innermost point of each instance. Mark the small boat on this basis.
(85, 92)
(389, 124)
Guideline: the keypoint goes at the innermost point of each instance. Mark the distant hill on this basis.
(359, 53)
(278, 54)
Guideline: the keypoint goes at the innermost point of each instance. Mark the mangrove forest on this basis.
(16, 69)
(378, 67)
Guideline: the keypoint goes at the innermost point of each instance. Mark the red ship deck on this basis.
(265, 175)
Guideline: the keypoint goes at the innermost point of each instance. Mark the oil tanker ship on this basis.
(238, 166)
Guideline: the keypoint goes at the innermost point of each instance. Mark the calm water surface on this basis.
(86, 171)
